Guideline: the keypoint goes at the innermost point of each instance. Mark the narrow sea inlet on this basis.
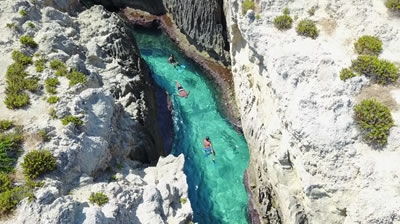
(217, 192)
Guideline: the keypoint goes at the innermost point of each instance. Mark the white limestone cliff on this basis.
(309, 163)
(98, 156)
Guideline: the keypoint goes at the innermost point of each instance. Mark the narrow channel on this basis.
(217, 193)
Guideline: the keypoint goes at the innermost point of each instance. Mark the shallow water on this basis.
(217, 193)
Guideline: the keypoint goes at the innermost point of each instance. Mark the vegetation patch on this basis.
(312, 10)
(40, 64)
(5, 125)
(10, 144)
(375, 120)
(31, 25)
(247, 5)
(23, 12)
(28, 41)
(347, 74)
(32, 84)
(59, 67)
(51, 84)
(183, 200)
(11, 26)
(76, 77)
(393, 5)
(98, 198)
(16, 83)
(307, 27)
(71, 119)
(368, 45)
(382, 71)
(53, 113)
(45, 137)
(38, 162)
(53, 99)
(283, 22)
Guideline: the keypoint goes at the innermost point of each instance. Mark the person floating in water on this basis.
(182, 92)
(208, 148)
(172, 60)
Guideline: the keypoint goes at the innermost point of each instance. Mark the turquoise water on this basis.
(217, 193)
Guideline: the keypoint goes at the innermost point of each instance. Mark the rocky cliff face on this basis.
(119, 126)
(309, 163)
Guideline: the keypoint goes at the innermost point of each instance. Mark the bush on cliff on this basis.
(28, 41)
(98, 198)
(40, 64)
(76, 77)
(38, 162)
(5, 183)
(283, 22)
(69, 118)
(51, 84)
(5, 125)
(307, 27)
(247, 5)
(10, 144)
(53, 99)
(20, 58)
(382, 71)
(375, 120)
(393, 5)
(368, 45)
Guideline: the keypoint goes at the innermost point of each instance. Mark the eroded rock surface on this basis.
(309, 163)
(119, 131)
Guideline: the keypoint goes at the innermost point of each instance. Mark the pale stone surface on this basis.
(297, 115)
(116, 108)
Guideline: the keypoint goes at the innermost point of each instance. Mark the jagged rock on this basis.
(117, 107)
(308, 158)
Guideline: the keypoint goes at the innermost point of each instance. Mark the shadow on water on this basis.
(217, 194)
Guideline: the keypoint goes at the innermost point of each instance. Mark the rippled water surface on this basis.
(217, 193)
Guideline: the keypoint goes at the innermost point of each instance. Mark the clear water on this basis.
(217, 193)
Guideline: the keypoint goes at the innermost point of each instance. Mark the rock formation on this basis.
(309, 163)
(119, 131)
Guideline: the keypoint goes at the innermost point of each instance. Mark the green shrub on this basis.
(375, 120)
(14, 101)
(40, 64)
(76, 77)
(53, 113)
(57, 64)
(32, 84)
(258, 17)
(20, 58)
(347, 74)
(53, 99)
(283, 22)
(307, 27)
(368, 45)
(183, 200)
(31, 25)
(5, 125)
(23, 12)
(286, 11)
(38, 162)
(393, 5)
(69, 118)
(51, 84)
(28, 41)
(43, 134)
(10, 198)
(311, 11)
(99, 198)
(382, 71)
(11, 26)
(5, 183)
(247, 5)
(9, 147)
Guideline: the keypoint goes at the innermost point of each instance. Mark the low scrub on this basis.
(375, 121)
(71, 119)
(247, 5)
(20, 58)
(28, 41)
(53, 113)
(5, 183)
(393, 5)
(307, 27)
(76, 78)
(98, 198)
(283, 22)
(51, 84)
(31, 25)
(53, 99)
(5, 125)
(10, 198)
(32, 84)
(10, 144)
(23, 12)
(38, 162)
(40, 64)
(368, 45)
(45, 137)
(347, 74)
(382, 71)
